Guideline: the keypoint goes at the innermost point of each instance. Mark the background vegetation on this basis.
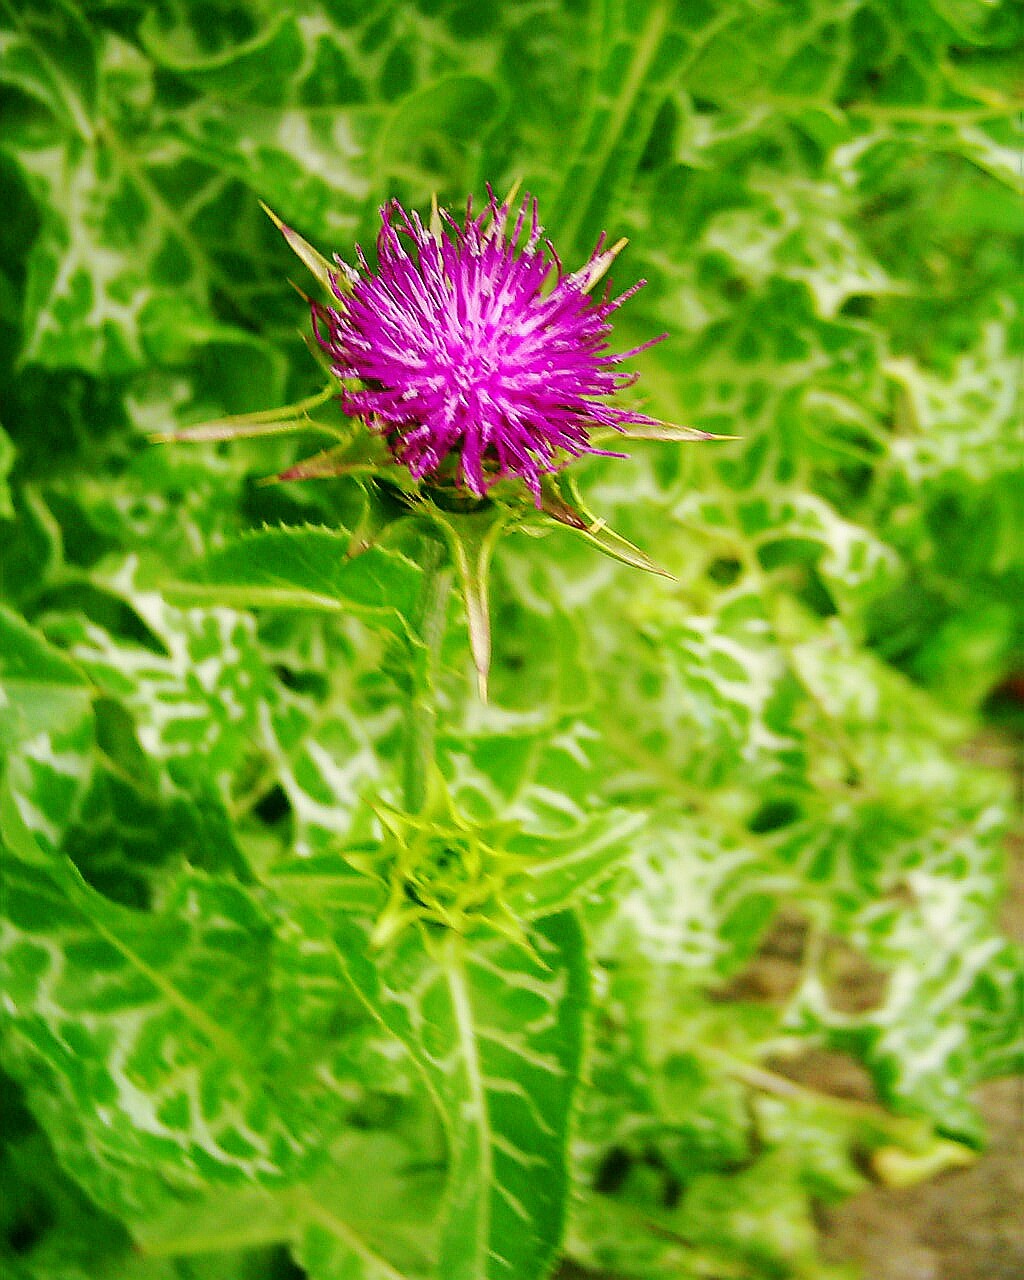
(206, 1077)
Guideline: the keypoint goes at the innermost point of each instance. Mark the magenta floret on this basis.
(455, 346)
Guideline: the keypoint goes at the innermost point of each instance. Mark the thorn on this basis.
(591, 272)
(274, 218)
(513, 191)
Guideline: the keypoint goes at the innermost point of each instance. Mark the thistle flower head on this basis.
(460, 345)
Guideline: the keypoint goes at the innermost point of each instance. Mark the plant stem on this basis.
(421, 714)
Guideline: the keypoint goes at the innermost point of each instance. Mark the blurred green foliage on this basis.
(210, 1070)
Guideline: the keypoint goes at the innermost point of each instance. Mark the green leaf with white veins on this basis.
(341, 1224)
(118, 261)
(46, 731)
(165, 1086)
(194, 694)
(49, 53)
(307, 568)
(497, 1031)
(562, 870)
(40, 690)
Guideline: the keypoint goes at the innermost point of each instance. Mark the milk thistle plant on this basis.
(342, 940)
(473, 369)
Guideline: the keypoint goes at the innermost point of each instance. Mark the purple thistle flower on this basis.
(455, 345)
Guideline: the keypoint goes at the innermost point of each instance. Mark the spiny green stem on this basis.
(421, 715)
